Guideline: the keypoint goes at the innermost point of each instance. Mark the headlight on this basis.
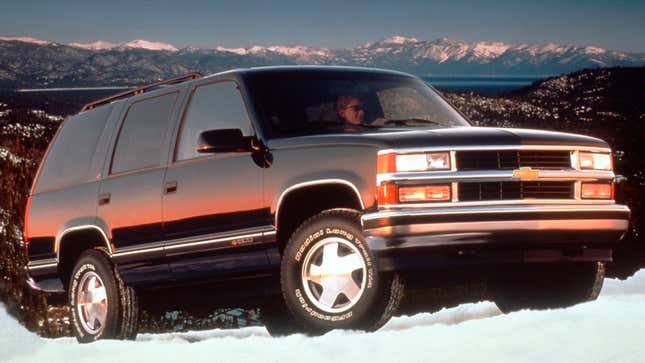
(391, 163)
(595, 161)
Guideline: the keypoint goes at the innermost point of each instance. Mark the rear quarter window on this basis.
(69, 159)
(140, 141)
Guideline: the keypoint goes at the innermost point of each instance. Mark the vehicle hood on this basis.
(458, 136)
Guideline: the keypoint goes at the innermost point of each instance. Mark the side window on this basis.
(214, 106)
(142, 133)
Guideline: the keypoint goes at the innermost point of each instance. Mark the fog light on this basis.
(425, 193)
(597, 191)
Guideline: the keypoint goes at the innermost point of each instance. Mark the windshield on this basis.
(304, 102)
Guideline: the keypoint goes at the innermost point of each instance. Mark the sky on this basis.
(613, 24)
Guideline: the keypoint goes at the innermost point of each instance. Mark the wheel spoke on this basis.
(315, 274)
(330, 253)
(102, 314)
(86, 311)
(86, 297)
(92, 315)
(351, 290)
(91, 283)
(99, 295)
(328, 296)
(350, 263)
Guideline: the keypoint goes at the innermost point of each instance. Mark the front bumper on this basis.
(500, 233)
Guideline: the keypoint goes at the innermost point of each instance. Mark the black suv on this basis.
(311, 192)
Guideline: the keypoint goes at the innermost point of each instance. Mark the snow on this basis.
(288, 50)
(27, 40)
(44, 114)
(6, 154)
(594, 50)
(607, 329)
(138, 44)
(298, 50)
(27, 131)
(98, 45)
(489, 49)
(145, 44)
(240, 51)
(397, 39)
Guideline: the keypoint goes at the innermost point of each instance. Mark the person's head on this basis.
(350, 108)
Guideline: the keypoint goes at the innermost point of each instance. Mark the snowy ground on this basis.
(609, 329)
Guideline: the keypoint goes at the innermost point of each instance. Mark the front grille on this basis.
(513, 159)
(473, 191)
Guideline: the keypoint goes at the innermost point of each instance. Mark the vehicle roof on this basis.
(310, 68)
(258, 70)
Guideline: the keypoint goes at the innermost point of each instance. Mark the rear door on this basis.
(129, 201)
(215, 220)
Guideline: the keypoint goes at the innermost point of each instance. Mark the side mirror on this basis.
(224, 140)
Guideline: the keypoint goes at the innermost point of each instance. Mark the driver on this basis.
(351, 109)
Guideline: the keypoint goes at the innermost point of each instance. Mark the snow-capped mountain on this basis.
(26, 40)
(450, 56)
(100, 44)
(136, 44)
(30, 62)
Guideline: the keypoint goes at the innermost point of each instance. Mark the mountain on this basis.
(28, 62)
(136, 44)
(26, 40)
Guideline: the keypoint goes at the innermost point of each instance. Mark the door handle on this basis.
(104, 198)
(170, 187)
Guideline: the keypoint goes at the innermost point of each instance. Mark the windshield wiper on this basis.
(410, 121)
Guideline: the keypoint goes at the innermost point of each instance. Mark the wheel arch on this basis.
(73, 241)
(300, 201)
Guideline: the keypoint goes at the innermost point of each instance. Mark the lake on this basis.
(485, 85)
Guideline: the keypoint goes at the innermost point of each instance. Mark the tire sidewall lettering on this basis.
(315, 313)
(307, 242)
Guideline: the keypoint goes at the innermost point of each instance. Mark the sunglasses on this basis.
(356, 108)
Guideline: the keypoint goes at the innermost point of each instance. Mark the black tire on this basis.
(547, 286)
(121, 320)
(373, 304)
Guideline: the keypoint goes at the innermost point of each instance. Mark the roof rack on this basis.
(136, 91)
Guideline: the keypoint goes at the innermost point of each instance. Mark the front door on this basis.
(215, 219)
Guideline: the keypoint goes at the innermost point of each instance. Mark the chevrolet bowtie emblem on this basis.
(526, 174)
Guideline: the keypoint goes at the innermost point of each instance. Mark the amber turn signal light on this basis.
(424, 193)
(386, 163)
(597, 191)
(387, 194)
